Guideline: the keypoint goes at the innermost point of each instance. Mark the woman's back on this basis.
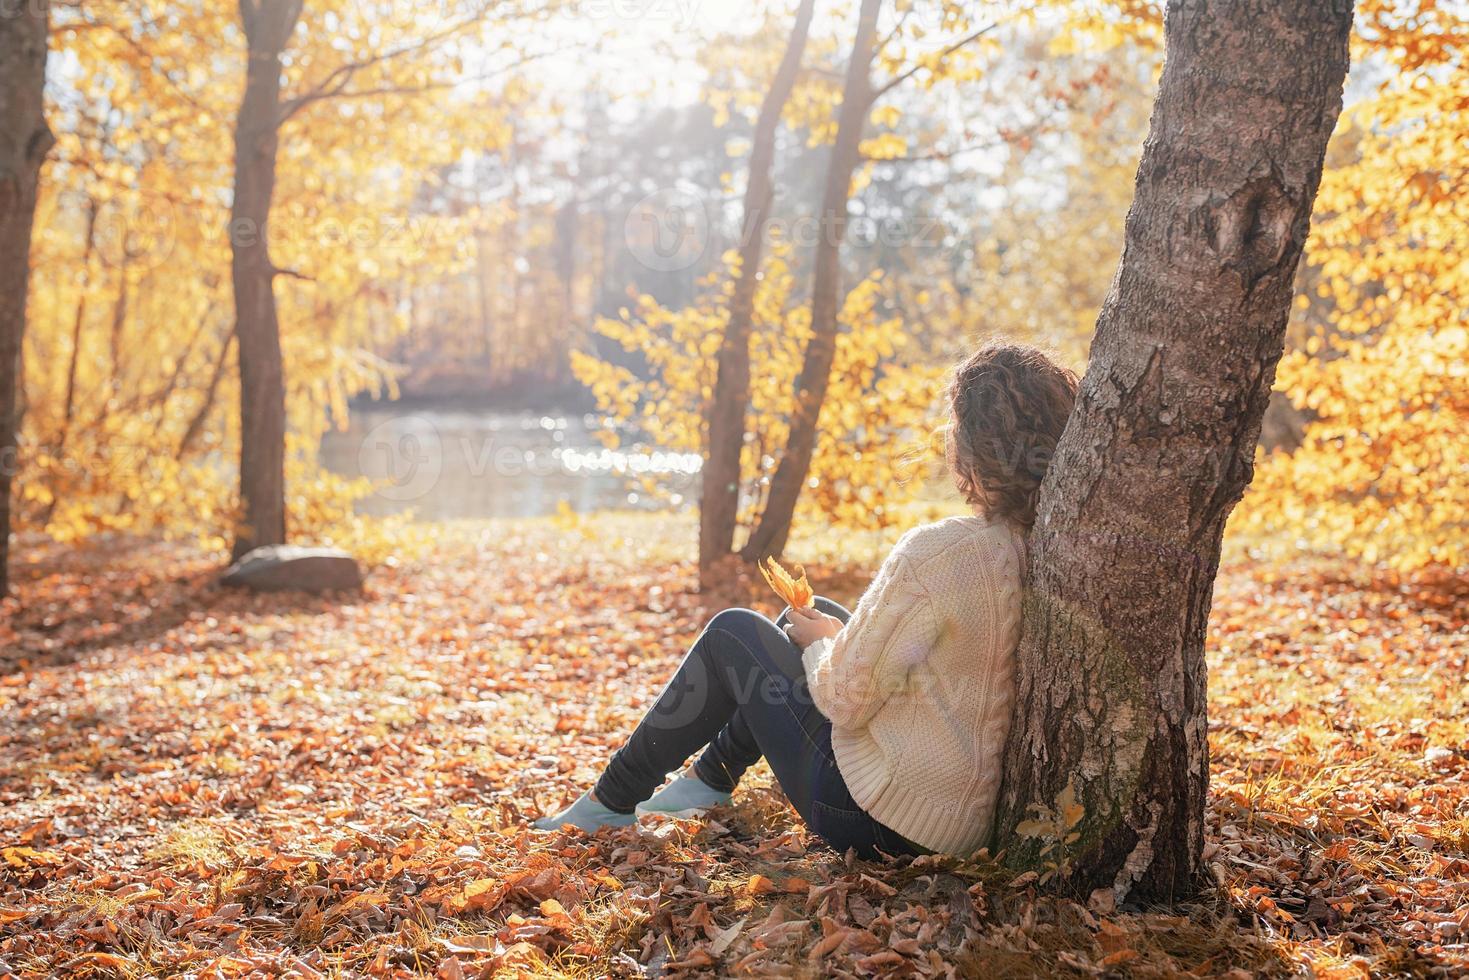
(919, 685)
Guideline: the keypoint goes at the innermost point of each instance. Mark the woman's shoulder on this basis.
(960, 538)
(950, 559)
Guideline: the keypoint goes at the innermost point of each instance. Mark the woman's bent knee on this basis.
(734, 620)
(738, 636)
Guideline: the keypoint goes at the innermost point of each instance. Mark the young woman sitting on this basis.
(886, 726)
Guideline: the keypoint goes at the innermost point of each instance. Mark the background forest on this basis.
(554, 314)
(513, 208)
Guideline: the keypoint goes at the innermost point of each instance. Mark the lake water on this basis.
(444, 465)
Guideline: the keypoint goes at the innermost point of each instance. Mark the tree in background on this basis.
(137, 323)
(1107, 765)
(25, 139)
(546, 216)
(378, 63)
(268, 26)
(719, 500)
(878, 387)
(859, 95)
(129, 352)
(909, 178)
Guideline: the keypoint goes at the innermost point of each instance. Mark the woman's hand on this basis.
(807, 626)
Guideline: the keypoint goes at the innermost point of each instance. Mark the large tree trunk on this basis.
(25, 140)
(769, 537)
(720, 494)
(268, 25)
(1111, 688)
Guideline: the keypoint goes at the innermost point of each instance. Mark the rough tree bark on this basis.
(720, 492)
(769, 536)
(1111, 686)
(25, 139)
(268, 25)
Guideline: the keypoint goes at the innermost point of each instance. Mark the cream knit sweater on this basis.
(919, 684)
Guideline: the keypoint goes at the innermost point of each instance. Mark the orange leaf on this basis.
(482, 894)
(759, 885)
(20, 857)
(795, 590)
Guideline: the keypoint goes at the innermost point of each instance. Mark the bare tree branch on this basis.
(337, 80)
(897, 28)
(1027, 132)
(923, 62)
(426, 87)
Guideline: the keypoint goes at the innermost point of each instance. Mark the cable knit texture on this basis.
(920, 683)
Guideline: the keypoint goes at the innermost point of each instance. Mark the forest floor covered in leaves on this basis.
(208, 782)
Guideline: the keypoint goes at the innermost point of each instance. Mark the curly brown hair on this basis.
(1008, 404)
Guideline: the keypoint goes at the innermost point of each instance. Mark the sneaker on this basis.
(686, 796)
(585, 814)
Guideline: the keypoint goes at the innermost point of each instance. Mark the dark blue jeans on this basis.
(740, 694)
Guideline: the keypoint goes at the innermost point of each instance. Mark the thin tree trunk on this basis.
(268, 25)
(567, 222)
(486, 314)
(79, 319)
(211, 391)
(119, 321)
(1111, 681)
(25, 140)
(769, 537)
(720, 493)
(159, 399)
(516, 248)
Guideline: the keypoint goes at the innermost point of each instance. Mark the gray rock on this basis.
(285, 567)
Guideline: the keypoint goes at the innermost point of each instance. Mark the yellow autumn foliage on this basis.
(130, 405)
(879, 402)
(1383, 472)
